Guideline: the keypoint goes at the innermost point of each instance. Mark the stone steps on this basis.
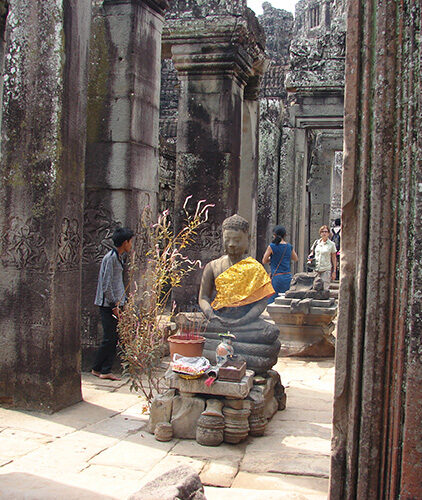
(334, 289)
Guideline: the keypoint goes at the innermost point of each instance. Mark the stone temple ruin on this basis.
(256, 127)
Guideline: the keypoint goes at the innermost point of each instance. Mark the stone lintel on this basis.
(159, 6)
(297, 87)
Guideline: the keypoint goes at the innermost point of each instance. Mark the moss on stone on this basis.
(98, 83)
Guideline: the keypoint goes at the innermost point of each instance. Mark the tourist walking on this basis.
(279, 253)
(335, 238)
(110, 298)
(324, 251)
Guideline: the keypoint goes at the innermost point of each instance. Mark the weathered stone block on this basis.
(185, 415)
(219, 388)
(161, 409)
(182, 483)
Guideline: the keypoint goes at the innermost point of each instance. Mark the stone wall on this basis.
(378, 390)
(42, 175)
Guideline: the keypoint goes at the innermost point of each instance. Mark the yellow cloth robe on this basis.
(243, 283)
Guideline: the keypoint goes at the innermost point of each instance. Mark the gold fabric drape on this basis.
(243, 283)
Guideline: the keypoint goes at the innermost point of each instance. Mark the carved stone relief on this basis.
(208, 239)
(69, 245)
(23, 245)
(98, 228)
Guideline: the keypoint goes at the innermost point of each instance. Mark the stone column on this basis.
(378, 391)
(248, 179)
(214, 55)
(320, 179)
(42, 173)
(122, 139)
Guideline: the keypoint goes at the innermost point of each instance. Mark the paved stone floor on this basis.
(99, 449)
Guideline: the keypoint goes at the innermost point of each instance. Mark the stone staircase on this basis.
(334, 289)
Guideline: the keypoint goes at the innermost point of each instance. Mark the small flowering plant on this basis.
(142, 335)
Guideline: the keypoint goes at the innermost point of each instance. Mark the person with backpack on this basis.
(335, 238)
(279, 253)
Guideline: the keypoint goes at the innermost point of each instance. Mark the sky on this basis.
(256, 5)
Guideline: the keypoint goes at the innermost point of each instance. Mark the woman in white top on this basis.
(325, 256)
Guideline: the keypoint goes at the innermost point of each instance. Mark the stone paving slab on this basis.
(118, 426)
(304, 415)
(70, 454)
(190, 448)
(250, 494)
(287, 462)
(305, 485)
(138, 452)
(221, 473)
(15, 443)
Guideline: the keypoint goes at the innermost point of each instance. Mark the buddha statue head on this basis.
(235, 236)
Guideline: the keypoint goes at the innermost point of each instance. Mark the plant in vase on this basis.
(142, 336)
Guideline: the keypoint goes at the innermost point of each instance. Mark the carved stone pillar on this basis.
(248, 179)
(320, 177)
(378, 391)
(122, 140)
(215, 55)
(42, 172)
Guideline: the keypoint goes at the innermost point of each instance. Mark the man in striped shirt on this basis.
(110, 297)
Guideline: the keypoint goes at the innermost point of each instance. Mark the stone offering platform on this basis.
(99, 449)
(224, 411)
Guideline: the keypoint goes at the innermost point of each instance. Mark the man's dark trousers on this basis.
(107, 351)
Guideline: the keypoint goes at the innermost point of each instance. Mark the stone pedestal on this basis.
(122, 140)
(163, 431)
(41, 192)
(257, 420)
(210, 430)
(238, 390)
(304, 319)
(236, 425)
(161, 409)
(234, 410)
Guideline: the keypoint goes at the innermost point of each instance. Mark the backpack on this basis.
(336, 240)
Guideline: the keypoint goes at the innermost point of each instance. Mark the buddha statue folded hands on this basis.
(233, 294)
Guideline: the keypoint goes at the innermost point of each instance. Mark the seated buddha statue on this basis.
(233, 294)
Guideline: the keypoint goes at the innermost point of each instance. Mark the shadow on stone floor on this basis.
(18, 485)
